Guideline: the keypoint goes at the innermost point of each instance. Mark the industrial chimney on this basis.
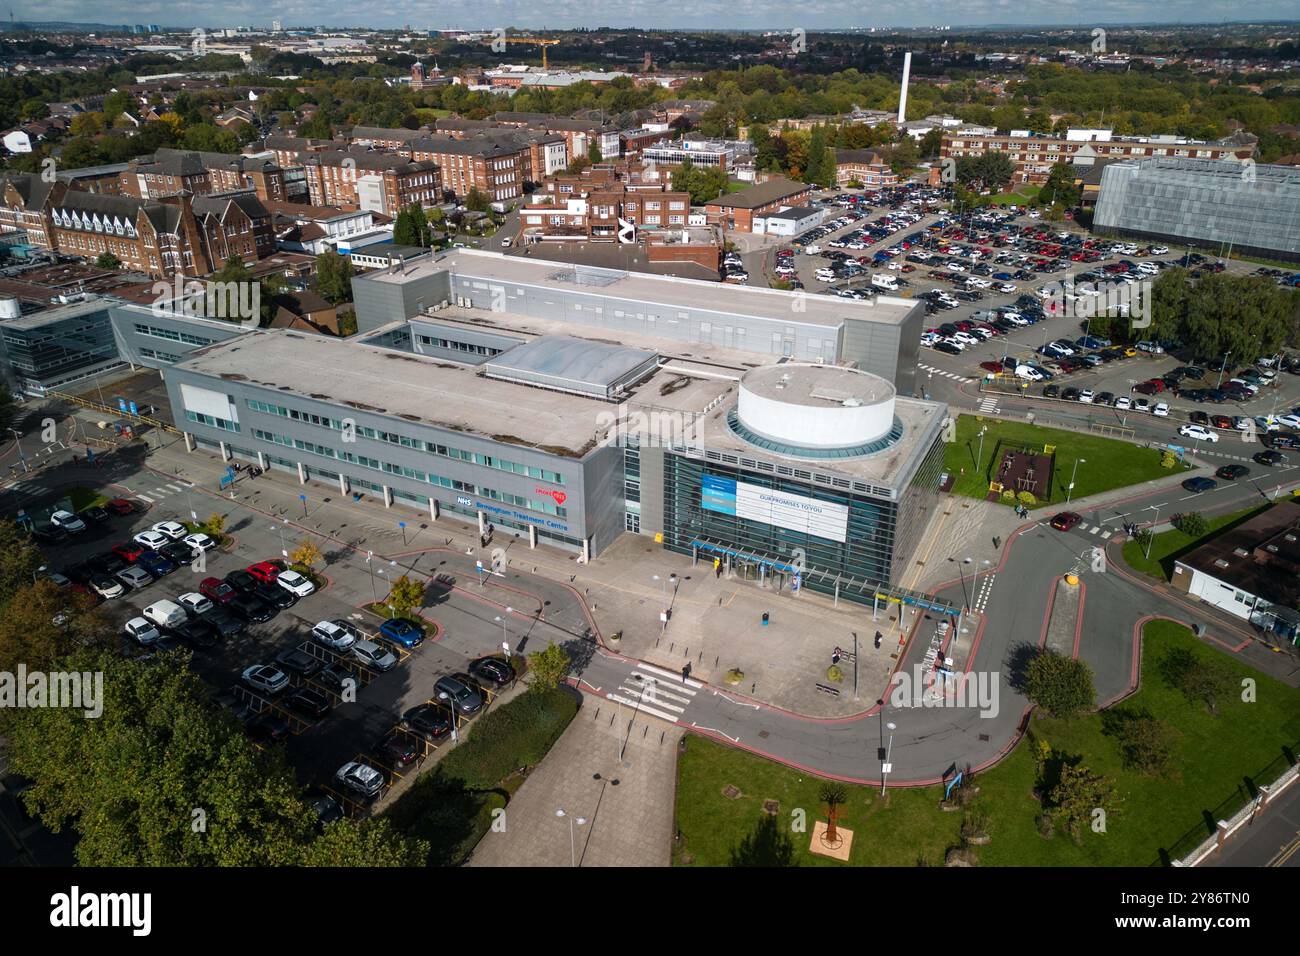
(902, 96)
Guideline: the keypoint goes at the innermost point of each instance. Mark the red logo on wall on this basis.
(559, 497)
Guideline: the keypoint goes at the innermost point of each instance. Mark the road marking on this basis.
(671, 675)
(641, 708)
(734, 740)
(144, 497)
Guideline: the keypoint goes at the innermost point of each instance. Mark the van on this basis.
(166, 614)
(888, 283)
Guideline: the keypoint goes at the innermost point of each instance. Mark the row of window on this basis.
(393, 438)
(160, 356)
(543, 505)
(211, 421)
(174, 336)
(452, 346)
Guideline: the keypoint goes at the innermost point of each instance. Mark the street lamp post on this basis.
(889, 750)
(18, 440)
(573, 842)
(979, 455)
(505, 635)
(284, 551)
(1151, 536)
(1223, 368)
(1069, 492)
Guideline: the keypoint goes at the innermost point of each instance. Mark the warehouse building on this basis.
(1248, 208)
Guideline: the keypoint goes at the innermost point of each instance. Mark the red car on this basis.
(991, 366)
(216, 590)
(1066, 520)
(265, 571)
(1221, 421)
(129, 551)
(119, 506)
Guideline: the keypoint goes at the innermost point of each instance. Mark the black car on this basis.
(108, 563)
(1199, 418)
(268, 727)
(1281, 440)
(226, 624)
(298, 662)
(1232, 472)
(1070, 395)
(275, 595)
(177, 552)
(1051, 391)
(198, 634)
(308, 702)
(1104, 398)
(428, 720)
(95, 515)
(242, 581)
(252, 608)
(947, 348)
(326, 808)
(336, 675)
(49, 534)
(398, 749)
(1270, 458)
(492, 671)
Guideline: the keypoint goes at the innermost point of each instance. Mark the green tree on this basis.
(1199, 679)
(20, 558)
(1061, 685)
(411, 227)
(215, 526)
(364, 843)
(594, 154)
(1146, 744)
(549, 668)
(43, 623)
(1193, 524)
(1060, 187)
(1077, 797)
(476, 201)
(107, 260)
(405, 596)
(333, 279)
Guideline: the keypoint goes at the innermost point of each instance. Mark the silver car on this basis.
(134, 577)
(375, 656)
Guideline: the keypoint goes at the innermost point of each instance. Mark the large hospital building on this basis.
(772, 431)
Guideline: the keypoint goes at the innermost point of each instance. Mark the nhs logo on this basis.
(466, 502)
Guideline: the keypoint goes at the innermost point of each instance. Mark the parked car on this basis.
(251, 608)
(120, 507)
(155, 563)
(195, 604)
(264, 571)
(295, 583)
(361, 778)
(135, 577)
(268, 727)
(199, 541)
(493, 671)
(227, 623)
(216, 590)
(429, 720)
(398, 749)
(375, 656)
(459, 692)
(67, 521)
(336, 635)
(105, 585)
(266, 678)
(198, 633)
(275, 596)
(308, 702)
(174, 530)
(142, 631)
(402, 631)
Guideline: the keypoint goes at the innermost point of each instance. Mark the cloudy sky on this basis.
(705, 14)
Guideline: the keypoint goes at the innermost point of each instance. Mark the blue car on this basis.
(155, 563)
(401, 631)
(1199, 484)
(1003, 276)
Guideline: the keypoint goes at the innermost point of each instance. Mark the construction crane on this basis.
(533, 40)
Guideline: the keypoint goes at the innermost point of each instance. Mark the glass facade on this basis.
(1212, 203)
(49, 354)
(881, 533)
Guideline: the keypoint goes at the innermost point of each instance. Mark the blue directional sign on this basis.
(135, 412)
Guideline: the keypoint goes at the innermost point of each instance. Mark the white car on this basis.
(199, 541)
(134, 577)
(1159, 250)
(361, 778)
(1141, 405)
(375, 656)
(978, 283)
(1290, 421)
(173, 529)
(1266, 424)
(1123, 403)
(1250, 387)
(967, 339)
(295, 583)
(152, 539)
(1086, 396)
(266, 678)
(142, 631)
(335, 635)
(824, 275)
(1161, 410)
(194, 603)
(1150, 347)
(1198, 432)
(1007, 287)
(67, 521)
(1029, 372)
(108, 588)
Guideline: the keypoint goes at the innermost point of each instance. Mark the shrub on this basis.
(1008, 495)
(1193, 524)
(1168, 460)
(834, 674)
(1027, 499)
(1061, 685)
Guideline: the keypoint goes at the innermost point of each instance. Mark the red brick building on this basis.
(737, 210)
(863, 166)
(380, 182)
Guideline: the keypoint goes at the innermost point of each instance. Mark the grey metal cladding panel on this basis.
(874, 346)
(652, 490)
(603, 495)
(376, 303)
(130, 341)
(458, 333)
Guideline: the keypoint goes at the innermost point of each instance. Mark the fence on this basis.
(1237, 810)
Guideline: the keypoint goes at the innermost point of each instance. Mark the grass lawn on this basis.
(1106, 463)
(1219, 759)
(1017, 198)
(83, 498)
(1168, 546)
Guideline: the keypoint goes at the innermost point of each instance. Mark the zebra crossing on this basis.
(988, 405)
(938, 371)
(982, 596)
(656, 691)
(1100, 532)
(154, 495)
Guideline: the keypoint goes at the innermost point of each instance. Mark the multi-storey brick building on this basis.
(579, 134)
(494, 165)
(171, 171)
(863, 166)
(379, 182)
(1034, 154)
(381, 137)
(739, 209)
(605, 211)
(24, 199)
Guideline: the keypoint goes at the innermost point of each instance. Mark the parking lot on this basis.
(315, 693)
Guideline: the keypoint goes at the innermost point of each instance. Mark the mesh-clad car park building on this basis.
(1254, 208)
(571, 406)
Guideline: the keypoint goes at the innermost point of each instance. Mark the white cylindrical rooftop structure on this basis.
(9, 307)
(816, 406)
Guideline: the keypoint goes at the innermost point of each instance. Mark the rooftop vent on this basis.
(1220, 563)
